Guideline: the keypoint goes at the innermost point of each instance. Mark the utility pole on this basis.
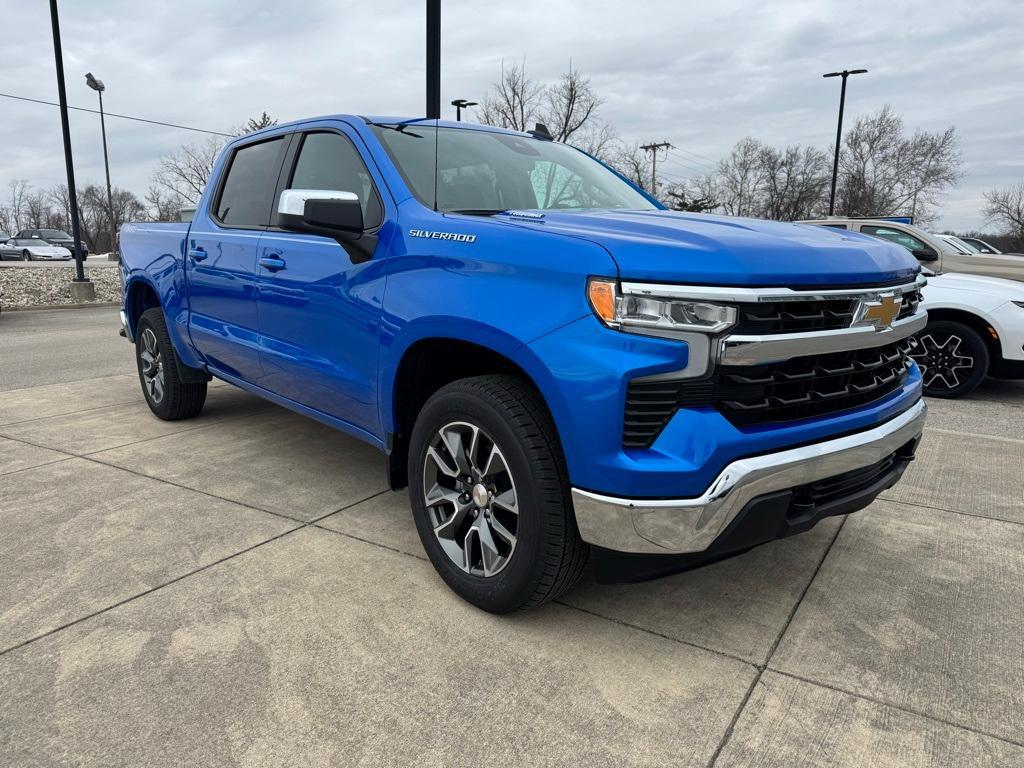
(81, 287)
(653, 149)
(839, 131)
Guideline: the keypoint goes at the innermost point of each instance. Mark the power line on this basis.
(123, 117)
(690, 162)
(695, 154)
(687, 168)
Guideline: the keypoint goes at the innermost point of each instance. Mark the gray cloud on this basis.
(701, 75)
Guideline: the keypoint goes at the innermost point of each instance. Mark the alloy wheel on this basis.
(471, 499)
(152, 367)
(944, 361)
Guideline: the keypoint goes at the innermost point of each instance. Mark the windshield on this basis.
(484, 172)
(956, 244)
(54, 234)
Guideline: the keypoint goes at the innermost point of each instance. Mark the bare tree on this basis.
(568, 105)
(514, 102)
(183, 174)
(633, 163)
(1005, 209)
(884, 171)
(163, 204)
(794, 183)
(741, 179)
(17, 191)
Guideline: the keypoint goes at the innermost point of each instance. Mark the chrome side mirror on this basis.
(323, 211)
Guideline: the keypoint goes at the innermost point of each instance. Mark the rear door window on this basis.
(247, 195)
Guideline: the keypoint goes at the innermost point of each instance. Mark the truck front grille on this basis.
(764, 319)
(800, 388)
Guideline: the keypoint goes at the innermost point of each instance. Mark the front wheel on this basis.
(26, 256)
(953, 359)
(168, 397)
(490, 495)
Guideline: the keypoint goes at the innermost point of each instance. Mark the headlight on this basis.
(1019, 304)
(651, 313)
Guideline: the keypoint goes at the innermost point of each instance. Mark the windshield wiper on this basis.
(478, 211)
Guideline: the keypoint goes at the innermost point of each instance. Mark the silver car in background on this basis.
(31, 249)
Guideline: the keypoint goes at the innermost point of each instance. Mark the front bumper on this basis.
(689, 525)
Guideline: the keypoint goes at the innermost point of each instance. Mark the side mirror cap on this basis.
(925, 254)
(321, 211)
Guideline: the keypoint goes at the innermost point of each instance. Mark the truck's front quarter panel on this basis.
(498, 286)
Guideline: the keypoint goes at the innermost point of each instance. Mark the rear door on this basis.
(220, 258)
(320, 303)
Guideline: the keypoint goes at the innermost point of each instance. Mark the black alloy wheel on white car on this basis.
(26, 256)
(953, 358)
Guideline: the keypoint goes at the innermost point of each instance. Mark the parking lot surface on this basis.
(242, 589)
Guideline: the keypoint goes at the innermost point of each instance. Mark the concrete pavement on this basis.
(241, 589)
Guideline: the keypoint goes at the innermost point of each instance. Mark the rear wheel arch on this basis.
(139, 297)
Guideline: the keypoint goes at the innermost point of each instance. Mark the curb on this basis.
(89, 305)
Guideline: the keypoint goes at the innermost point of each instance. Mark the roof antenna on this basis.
(540, 131)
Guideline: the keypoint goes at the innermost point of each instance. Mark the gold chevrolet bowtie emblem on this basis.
(882, 312)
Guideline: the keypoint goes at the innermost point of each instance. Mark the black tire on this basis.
(26, 256)
(548, 556)
(156, 360)
(953, 358)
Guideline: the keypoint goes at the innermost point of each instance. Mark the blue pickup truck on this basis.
(561, 370)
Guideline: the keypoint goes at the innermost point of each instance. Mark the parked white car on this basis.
(28, 249)
(975, 329)
(975, 324)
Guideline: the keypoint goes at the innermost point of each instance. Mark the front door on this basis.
(220, 260)
(319, 309)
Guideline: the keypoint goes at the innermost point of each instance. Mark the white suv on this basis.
(975, 323)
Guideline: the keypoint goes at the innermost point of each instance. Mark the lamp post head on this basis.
(462, 103)
(845, 73)
(92, 82)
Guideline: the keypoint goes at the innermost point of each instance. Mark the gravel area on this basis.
(43, 287)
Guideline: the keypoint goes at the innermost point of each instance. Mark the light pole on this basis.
(461, 104)
(839, 131)
(81, 287)
(99, 87)
(433, 59)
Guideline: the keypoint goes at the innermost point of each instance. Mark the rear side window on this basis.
(330, 161)
(248, 191)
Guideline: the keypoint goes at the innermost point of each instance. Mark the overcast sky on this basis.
(702, 75)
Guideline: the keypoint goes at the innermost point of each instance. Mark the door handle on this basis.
(272, 263)
(198, 254)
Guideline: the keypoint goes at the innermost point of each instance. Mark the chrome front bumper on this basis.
(675, 526)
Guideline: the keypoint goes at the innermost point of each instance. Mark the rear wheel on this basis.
(490, 495)
(953, 358)
(167, 396)
(26, 256)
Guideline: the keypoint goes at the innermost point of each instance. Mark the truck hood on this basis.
(720, 250)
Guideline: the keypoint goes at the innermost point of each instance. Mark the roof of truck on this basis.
(396, 120)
